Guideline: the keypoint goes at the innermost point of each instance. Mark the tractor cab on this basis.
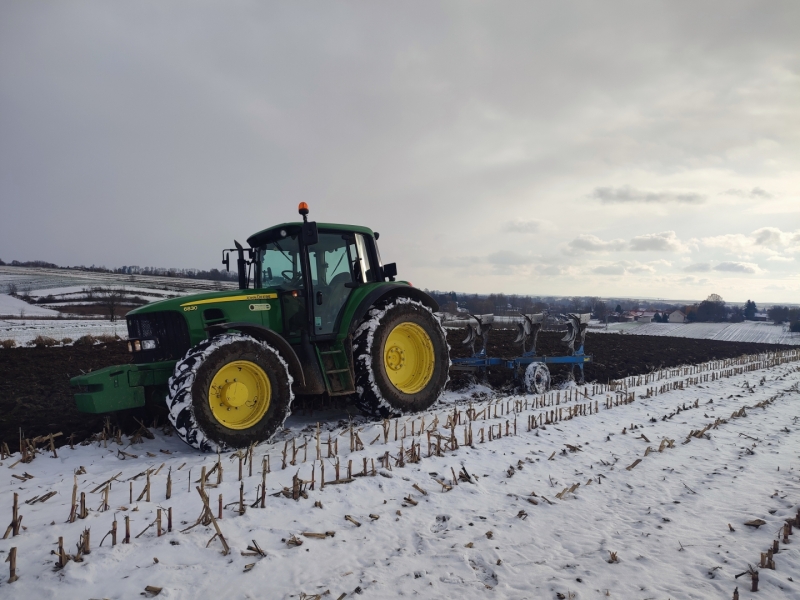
(314, 268)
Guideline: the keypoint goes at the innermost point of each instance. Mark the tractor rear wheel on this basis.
(401, 359)
(229, 392)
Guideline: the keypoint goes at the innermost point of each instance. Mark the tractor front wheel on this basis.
(229, 392)
(401, 359)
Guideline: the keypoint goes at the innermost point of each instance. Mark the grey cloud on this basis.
(609, 270)
(550, 270)
(666, 241)
(523, 226)
(590, 243)
(756, 192)
(736, 267)
(768, 236)
(693, 280)
(626, 193)
(697, 268)
(509, 258)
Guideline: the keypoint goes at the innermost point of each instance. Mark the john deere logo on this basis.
(259, 307)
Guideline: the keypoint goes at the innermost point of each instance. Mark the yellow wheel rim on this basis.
(240, 394)
(409, 358)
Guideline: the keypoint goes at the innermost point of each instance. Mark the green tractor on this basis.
(316, 314)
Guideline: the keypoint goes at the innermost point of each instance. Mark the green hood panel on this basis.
(207, 299)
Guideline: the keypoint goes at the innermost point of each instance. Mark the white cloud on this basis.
(610, 195)
(735, 243)
(590, 243)
(624, 267)
(666, 241)
(770, 241)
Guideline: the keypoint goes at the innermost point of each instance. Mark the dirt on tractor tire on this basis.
(35, 395)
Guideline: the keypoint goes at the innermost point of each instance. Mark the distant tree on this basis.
(12, 289)
(778, 314)
(599, 309)
(737, 315)
(618, 310)
(750, 310)
(449, 307)
(111, 299)
(712, 309)
(795, 327)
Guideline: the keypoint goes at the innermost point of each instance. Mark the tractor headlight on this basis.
(134, 346)
(148, 344)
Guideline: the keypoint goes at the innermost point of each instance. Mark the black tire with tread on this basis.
(370, 371)
(188, 403)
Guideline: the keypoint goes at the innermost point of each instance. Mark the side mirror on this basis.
(226, 259)
(390, 271)
(309, 233)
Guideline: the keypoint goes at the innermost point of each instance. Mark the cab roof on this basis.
(267, 235)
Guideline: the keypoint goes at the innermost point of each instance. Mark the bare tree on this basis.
(112, 299)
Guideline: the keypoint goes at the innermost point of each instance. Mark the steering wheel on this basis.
(292, 278)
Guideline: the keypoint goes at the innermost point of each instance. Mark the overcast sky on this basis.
(645, 149)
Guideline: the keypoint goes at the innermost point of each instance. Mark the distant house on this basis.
(643, 316)
(677, 316)
(760, 317)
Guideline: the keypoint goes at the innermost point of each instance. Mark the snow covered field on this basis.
(656, 481)
(14, 307)
(24, 330)
(30, 279)
(749, 331)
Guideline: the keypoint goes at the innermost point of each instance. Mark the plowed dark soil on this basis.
(35, 394)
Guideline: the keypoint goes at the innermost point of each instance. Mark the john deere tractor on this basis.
(316, 313)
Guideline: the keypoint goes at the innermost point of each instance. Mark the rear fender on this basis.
(386, 293)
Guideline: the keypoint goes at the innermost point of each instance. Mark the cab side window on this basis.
(362, 267)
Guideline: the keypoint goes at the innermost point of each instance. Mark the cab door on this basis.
(338, 263)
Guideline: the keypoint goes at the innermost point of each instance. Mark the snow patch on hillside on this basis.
(14, 307)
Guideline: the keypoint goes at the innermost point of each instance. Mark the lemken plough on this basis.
(530, 367)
